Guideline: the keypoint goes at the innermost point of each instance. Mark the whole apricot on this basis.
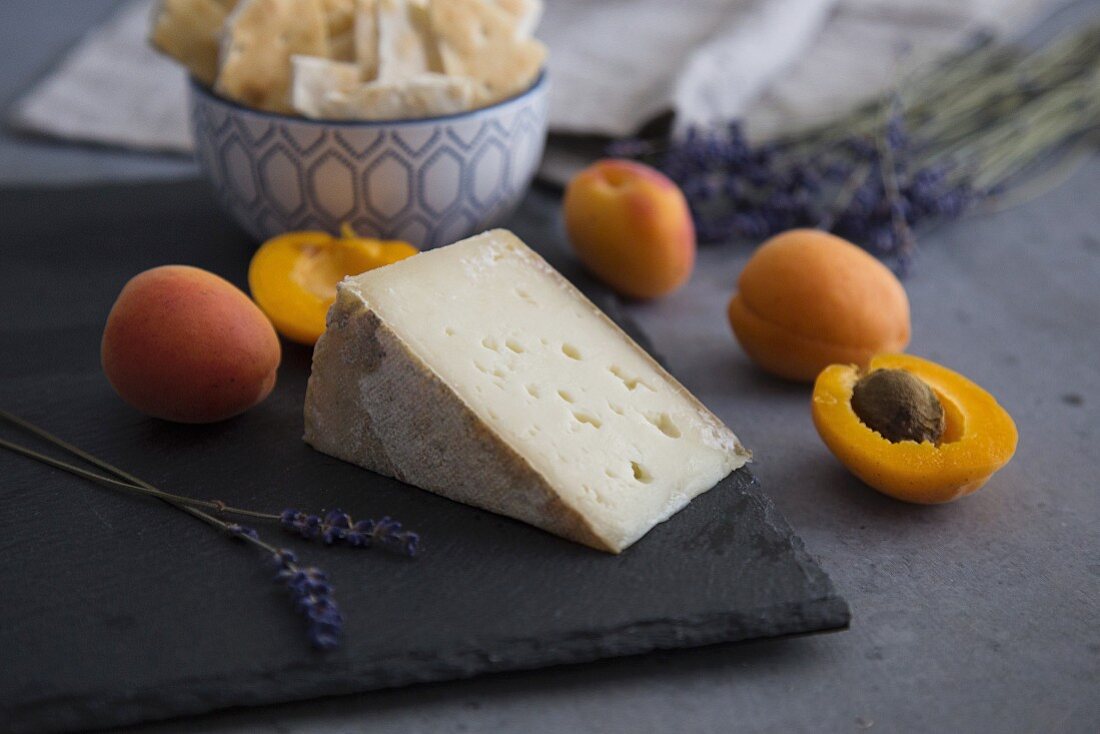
(631, 227)
(184, 345)
(807, 299)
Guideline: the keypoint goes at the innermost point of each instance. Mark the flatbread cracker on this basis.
(340, 27)
(421, 95)
(525, 14)
(405, 45)
(321, 85)
(366, 38)
(478, 40)
(190, 32)
(260, 38)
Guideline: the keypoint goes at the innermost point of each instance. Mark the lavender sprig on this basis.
(309, 587)
(337, 526)
(385, 533)
(312, 595)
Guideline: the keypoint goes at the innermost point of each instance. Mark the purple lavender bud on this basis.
(837, 171)
(284, 557)
(241, 531)
(332, 535)
(338, 519)
(896, 136)
(312, 597)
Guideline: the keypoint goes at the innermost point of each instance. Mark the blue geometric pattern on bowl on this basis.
(430, 182)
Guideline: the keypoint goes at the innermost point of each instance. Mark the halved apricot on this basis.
(978, 439)
(293, 276)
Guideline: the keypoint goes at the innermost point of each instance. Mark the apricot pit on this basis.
(899, 406)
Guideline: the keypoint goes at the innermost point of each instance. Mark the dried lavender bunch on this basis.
(865, 190)
(928, 152)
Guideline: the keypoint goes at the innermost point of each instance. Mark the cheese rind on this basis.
(479, 373)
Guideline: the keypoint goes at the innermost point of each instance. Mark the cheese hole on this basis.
(565, 395)
(498, 373)
(610, 473)
(630, 382)
(449, 331)
(596, 496)
(640, 473)
(615, 408)
(571, 351)
(664, 424)
(490, 343)
(585, 418)
(481, 367)
(533, 390)
(493, 414)
(514, 346)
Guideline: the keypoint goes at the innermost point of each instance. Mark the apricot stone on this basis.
(808, 299)
(184, 345)
(631, 227)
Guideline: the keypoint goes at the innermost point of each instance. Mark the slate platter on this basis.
(119, 610)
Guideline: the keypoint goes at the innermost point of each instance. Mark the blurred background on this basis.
(82, 72)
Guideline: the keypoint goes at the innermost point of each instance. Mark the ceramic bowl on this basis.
(430, 181)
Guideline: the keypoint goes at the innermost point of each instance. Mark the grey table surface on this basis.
(982, 615)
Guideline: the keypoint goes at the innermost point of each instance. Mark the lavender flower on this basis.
(863, 189)
(337, 526)
(241, 531)
(312, 595)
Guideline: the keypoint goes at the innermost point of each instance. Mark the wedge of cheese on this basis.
(476, 371)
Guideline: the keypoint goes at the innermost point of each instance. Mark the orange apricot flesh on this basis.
(293, 276)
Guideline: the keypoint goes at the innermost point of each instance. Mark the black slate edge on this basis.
(80, 712)
(828, 612)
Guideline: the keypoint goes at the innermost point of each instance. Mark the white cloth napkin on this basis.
(614, 64)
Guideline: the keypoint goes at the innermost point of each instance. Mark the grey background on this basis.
(982, 615)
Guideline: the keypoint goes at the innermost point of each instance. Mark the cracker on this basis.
(405, 44)
(419, 96)
(340, 28)
(366, 38)
(525, 14)
(190, 31)
(260, 38)
(321, 85)
(478, 40)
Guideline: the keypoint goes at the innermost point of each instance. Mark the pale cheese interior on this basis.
(621, 441)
